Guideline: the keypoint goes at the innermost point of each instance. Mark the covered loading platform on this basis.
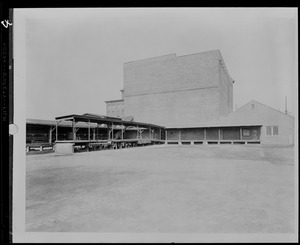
(119, 133)
(41, 134)
(214, 134)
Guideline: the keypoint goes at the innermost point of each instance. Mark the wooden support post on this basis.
(108, 131)
(56, 131)
(94, 134)
(97, 131)
(241, 133)
(73, 130)
(179, 134)
(137, 131)
(50, 135)
(204, 136)
(219, 131)
(89, 133)
(122, 137)
(166, 136)
(112, 130)
(159, 134)
(150, 133)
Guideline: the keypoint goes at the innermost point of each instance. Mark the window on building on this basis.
(275, 130)
(272, 130)
(246, 132)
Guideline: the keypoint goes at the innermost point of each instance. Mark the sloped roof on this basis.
(104, 120)
(253, 112)
(244, 116)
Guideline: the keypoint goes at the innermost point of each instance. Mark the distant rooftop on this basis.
(107, 101)
(101, 116)
(173, 55)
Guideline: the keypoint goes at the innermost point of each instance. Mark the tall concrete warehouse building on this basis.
(175, 90)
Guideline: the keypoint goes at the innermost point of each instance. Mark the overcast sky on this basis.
(74, 57)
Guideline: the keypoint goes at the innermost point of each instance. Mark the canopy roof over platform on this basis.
(43, 122)
(215, 125)
(90, 118)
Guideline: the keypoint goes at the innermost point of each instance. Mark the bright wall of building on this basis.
(282, 125)
(177, 91)
(115, 108)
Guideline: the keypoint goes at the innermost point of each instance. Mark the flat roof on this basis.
(107, 101)
(102, 116)
(215, 126)
(151, 58)
(104, 120)
(43, 122)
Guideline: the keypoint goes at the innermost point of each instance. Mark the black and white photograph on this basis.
(155, 124)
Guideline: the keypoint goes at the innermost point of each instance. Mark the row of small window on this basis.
(272, 130)
(122, 111)
(115, 105)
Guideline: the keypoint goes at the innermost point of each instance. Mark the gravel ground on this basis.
(167, 188)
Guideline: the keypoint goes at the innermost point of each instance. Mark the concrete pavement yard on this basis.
(167, 188)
